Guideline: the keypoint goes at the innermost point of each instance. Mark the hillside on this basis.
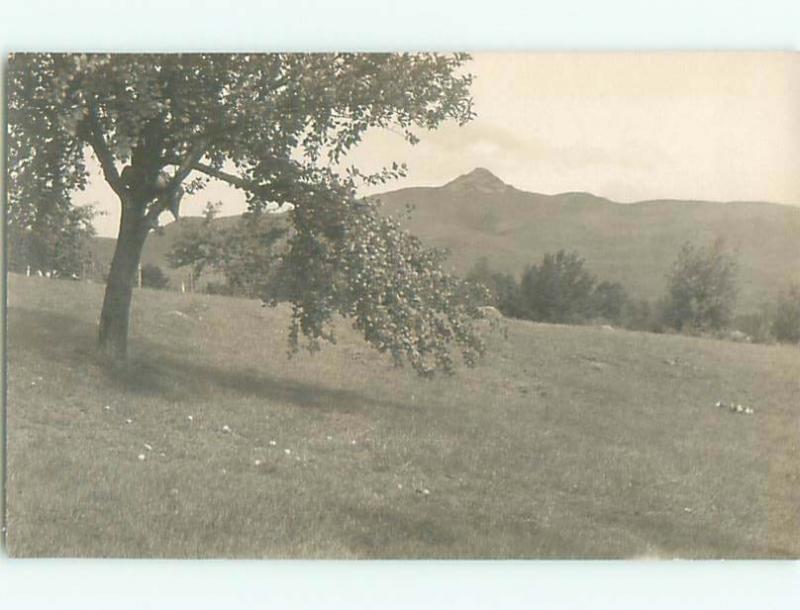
(479, 215)
(563, 442)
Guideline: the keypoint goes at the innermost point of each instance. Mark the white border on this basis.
(386, 25)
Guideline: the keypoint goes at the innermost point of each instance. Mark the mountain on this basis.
(478, 214)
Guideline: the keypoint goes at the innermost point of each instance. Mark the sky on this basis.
(626, 126)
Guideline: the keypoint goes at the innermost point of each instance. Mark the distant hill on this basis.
(477, 214)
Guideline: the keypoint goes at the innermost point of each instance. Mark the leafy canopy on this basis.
(246, 253)
(558, 289)
(701, 288)
(786, 323)
(279, 127)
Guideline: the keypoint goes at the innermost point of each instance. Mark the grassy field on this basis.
(565, 442)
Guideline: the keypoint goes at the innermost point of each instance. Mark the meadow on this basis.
(565, 442)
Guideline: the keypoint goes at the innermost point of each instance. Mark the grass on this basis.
(565, 442)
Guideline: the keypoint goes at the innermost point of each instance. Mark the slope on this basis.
(564, 442)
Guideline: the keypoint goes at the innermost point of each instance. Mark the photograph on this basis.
(402, 305)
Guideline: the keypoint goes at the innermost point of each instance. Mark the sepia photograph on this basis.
(407, 305)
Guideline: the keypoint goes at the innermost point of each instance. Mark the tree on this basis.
(53, 239)
(558, 289)
(608, 301)
(503, 288)
(701, 292)
(786, 323)
(277, 126)
(43, 229)
(246, 253)
(154, 277)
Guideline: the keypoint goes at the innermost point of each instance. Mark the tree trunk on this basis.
(115, 317)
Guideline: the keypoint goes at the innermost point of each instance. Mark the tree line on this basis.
(699, 297)
(244, 259)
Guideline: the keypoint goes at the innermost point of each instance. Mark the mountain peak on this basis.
(479, 179)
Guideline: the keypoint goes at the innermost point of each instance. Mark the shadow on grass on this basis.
(154, 371)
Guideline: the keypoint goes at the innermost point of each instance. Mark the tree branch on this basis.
(232, 179)
(98, 143)
(188, 164)
(170, 192)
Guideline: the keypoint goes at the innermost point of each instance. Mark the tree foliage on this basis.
(786, 321)
(558, 289)
(277, 126)
(609, 301)
(54, 239)
(701, 293)
(246, 253)
(154, 277)
(503, 287)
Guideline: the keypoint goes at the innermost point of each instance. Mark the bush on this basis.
(608, 301)
(503, 288)
(701, 292)
(786, 324)
(558, 289)
(154, 277)
(757, 324)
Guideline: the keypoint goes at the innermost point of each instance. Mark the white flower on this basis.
(257, 462)
(287, 451)
(226, 428)
(330, 438)
(107, 408)
(148, 447)
(272, 443)
(141, 457)
(426, 491)
(128, 421)
(190, 418)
